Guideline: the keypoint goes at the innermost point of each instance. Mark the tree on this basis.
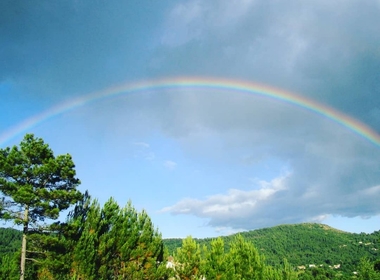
(188, 259)
(35, 185)
(367, 271)
(218, 265)
(287, 271)
(116, 243)
(85, 256)
(246, 261)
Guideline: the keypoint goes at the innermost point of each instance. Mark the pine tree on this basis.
(59, 243)
(141, 249)
(287, 271)
(36, 186)
(109, 231)
(188, 259)
(85, 256)
(218, 266)
(246, 261)
(117, 243)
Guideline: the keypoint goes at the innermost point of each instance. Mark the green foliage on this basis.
(118, 243)
(32, 177)
(241, 262)
(218, 265)
(173, 243)
(89, 247)
(188, 259)
(287, 271)
(246, 261)
(9, 267)
(10, 241)
(96, 242)
(306, 244)
(366, 270)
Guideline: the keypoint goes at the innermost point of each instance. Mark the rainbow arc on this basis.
(198, 83)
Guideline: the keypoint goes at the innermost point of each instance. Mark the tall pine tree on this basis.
(36, 186)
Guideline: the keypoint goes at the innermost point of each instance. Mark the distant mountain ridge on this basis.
(307, 244)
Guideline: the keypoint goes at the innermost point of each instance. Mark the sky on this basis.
(137, 92)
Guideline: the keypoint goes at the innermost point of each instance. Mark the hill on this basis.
(306, 245)
(10, 240)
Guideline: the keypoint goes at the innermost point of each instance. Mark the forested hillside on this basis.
(305, 245)
(10, 241)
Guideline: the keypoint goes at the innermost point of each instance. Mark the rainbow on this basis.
(198, 83)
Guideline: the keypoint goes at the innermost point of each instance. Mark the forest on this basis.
(118, 242)
(116, 249)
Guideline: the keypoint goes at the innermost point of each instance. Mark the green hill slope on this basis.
(306, 244)
(10, 240)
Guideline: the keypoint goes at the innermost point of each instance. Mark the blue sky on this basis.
(205, 162)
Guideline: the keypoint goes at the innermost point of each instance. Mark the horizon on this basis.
(230, 234)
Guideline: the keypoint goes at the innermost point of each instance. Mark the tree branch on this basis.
(34, 260)
(35, 252)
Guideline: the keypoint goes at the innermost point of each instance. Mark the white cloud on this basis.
(235, 204)
(171, 165)
(143, 151)
(141, 144)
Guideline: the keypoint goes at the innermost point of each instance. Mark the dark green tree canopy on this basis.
(31, 176)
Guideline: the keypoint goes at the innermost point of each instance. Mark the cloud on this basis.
(231, 208)
(324, 50)
(171, 165)
(62, 49)
(142, 144)
(143, 151)
(278, 201)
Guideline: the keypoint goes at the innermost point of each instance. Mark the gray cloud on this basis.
(71, 47)
(327, 50)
